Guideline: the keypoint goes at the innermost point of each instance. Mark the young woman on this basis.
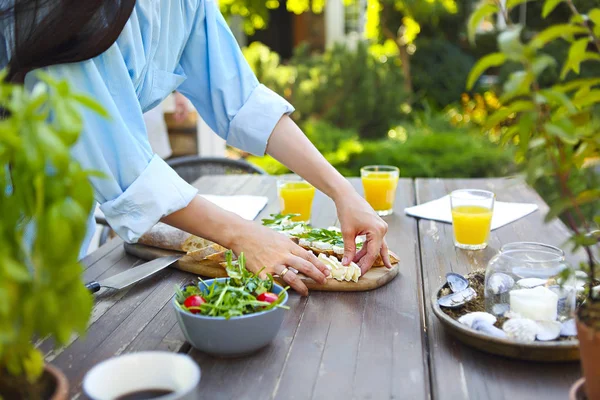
(129, 55)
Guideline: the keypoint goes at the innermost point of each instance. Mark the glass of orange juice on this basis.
(296, 197)
(472, 211)
(379, 183)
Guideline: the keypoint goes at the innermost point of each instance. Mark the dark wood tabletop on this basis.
(382, 344)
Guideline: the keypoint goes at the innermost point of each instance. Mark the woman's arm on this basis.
(290, 146)
(205, 219)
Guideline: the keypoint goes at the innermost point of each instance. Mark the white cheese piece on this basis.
(338, 250)
(297, 230)
(328, 263)
(349, 273)
(304, 243)
(334, 228)
(357, 272)
(361, 239)
(322, 246)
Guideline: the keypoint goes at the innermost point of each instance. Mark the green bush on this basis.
(418, 152)
(350, 89)
(439, 71)
(442, 155)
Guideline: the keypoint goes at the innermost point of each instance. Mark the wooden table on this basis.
(384, 344)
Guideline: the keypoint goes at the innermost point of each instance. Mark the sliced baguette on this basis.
(208, 253)
(166, 237)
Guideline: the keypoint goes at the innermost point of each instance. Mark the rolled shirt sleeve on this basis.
(222, 86)
(137, 188)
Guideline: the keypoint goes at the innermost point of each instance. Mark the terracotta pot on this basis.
(589, 347)
(61, 384)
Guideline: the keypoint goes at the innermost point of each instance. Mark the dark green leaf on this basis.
(485, 10)
(491, 60)
(556, 209)
(549, 6)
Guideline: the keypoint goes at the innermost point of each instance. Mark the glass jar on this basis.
(523, 279)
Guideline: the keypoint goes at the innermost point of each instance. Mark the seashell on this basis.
(489, 329)
(521, 329)
(530, 283)
(548, 330)
(455, 300)
(500, 283)
(501, 309)
(470, 318)
(568, 328)
(456, 282)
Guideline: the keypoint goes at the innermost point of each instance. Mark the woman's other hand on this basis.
(358, 218)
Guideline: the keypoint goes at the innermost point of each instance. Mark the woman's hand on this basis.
(357, 218)
(273, 251)
(181, 107)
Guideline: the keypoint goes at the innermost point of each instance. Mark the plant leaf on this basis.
(589, 98)
(549, 6)
(486, 9)
(560, 132)
(503, 113)
(555, 32)
(517, 84)
(588, 196)
(514, 3)
(576, 84)
(594, 15)
(576, 56)
(491, 60)
(509, 43)
(91, 104)
(542, 62)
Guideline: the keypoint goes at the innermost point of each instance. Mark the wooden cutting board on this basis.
(374, 278)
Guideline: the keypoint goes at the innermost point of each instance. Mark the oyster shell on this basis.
(500, 283)
(487, 328)
(454, 300)
(456, 282)
(548, 330)
(470, 318)
(521, 329)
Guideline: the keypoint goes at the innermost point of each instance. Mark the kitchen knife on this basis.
(133, 275)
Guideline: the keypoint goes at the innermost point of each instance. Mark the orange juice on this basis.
(380, 190)
(471, 224)
(296, 198)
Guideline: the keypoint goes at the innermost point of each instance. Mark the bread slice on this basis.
(214, 253)
(166, 237)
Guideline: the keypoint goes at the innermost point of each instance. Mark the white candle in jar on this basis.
(539, 303)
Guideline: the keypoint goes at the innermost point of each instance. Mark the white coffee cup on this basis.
(150, 370)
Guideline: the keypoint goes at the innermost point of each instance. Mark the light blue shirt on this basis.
(165, 45)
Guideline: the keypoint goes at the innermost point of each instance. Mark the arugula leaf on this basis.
(235, 296)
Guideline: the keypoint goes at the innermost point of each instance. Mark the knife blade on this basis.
(133, 275)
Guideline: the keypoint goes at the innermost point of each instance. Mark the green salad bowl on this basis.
(233, 337)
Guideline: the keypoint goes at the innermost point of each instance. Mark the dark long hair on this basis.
(49, 32)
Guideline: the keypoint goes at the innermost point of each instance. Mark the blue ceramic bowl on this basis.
(234, 337)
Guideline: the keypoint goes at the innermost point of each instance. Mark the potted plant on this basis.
(45, 199)
(557, 133)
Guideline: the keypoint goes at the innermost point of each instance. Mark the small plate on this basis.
(561, 351)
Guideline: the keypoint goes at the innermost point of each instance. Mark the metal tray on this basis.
(560, 351)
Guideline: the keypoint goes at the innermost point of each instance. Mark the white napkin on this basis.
(439, 210)
(247, 207)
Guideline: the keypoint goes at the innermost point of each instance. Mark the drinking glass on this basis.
(380, 183)
(472, 211)
(295, 197)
